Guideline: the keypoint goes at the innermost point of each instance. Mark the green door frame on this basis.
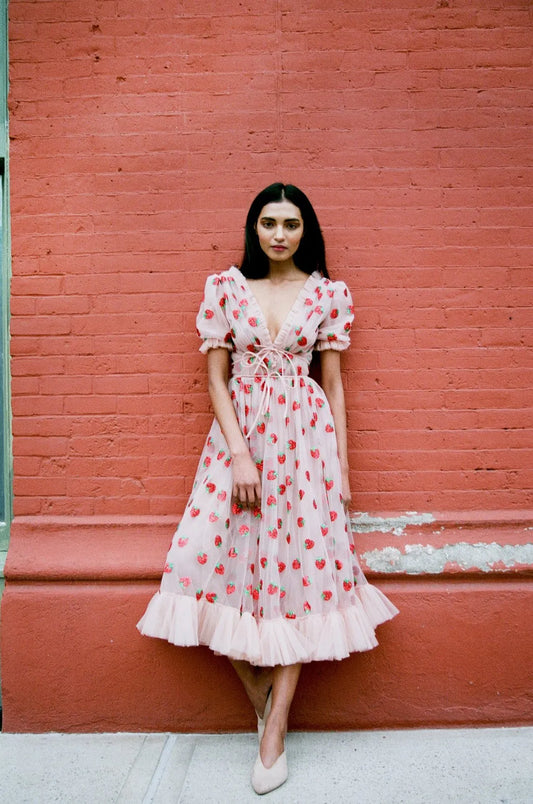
(6, 461)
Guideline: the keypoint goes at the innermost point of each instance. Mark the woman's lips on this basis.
(279, 248)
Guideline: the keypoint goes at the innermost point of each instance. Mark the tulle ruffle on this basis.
(185, 621)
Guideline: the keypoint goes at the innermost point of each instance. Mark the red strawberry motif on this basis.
(220, 455)
(201, 558)
(230, 588)
(255, 594)
(207, 461)
(327, 595)
(209, 314)
(232, 552)
(320, 563)
(221, 496)
(271, 500)
(334, 313)
(302, 340)
(291, 444)
(333, 515)
(261, 428)
(281, 490)
(295, 405)
(347, 585)
(290, 615)
(213, 517)
(309, 544)
(281, 399)
(182, 542)
(288, 538)
(315, 453)
(329, 428)
(306, 580)
(307, 607)
(272, 475)
(218, 540)
(281, 566)
(252, 321)
(211, 597)
(263, 561)
(329, 484)
(301, 522)
(195, 511)
(168, 567)
(272, 589)
(185, 581)
(236, 508)
(199, 594)
(338, 564)
(210, 487)
(296, 564)
(324, 530)
(244, 530)
(272, 439)
(280, 523)
(272, 533)
(301, 493)
(281, 457)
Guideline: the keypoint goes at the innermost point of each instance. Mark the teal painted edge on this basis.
(5, 286)
(5, 278)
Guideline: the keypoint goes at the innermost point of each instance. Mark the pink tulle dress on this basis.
(280, 584)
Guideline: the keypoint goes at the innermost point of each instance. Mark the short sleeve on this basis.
(211, 322)
(334, 329)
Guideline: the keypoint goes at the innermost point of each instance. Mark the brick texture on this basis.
(140, 132)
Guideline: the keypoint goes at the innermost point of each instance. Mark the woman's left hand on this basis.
(346, 493)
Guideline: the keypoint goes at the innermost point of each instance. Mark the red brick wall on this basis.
(141, 131)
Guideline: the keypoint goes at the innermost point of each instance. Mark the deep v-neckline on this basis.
(288, 318)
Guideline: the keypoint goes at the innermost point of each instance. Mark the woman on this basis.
(262, 567)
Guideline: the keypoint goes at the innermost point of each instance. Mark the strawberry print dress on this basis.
(279, 584)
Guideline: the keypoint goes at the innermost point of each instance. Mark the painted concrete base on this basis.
(459, 653)
(477, 766)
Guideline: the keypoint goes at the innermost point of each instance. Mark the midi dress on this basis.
(281, 583)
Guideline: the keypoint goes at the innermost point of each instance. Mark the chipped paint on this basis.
(366, 523)
(418, 559)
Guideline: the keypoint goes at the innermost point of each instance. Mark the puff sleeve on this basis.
(211, 322)
(334, 329)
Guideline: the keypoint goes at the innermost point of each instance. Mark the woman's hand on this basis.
(346, 493)
(246, 480)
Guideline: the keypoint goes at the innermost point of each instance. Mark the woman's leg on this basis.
(284, 683)
(257, 682)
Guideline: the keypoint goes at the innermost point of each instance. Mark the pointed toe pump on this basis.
(264, 780)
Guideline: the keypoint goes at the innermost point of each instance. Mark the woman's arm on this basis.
(246, 477)
(330, 364)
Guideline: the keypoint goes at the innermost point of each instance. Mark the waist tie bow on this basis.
(269, 363)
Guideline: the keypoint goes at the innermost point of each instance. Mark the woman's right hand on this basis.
(246, 480)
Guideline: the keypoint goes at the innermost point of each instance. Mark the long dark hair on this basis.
(311, 253)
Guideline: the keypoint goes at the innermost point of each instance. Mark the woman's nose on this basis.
(279, 233)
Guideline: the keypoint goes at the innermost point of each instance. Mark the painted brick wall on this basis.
(140, 132)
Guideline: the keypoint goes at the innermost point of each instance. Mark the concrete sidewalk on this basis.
(464, 766)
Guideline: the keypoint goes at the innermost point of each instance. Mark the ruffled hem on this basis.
(214, 343)
(184, 621)
(336, 346)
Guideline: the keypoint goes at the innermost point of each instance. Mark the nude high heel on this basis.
(264, 780)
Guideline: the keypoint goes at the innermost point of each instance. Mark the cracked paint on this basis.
(365, 523)
(418, 559)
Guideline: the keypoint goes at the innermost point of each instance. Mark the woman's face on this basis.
(280, 228)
